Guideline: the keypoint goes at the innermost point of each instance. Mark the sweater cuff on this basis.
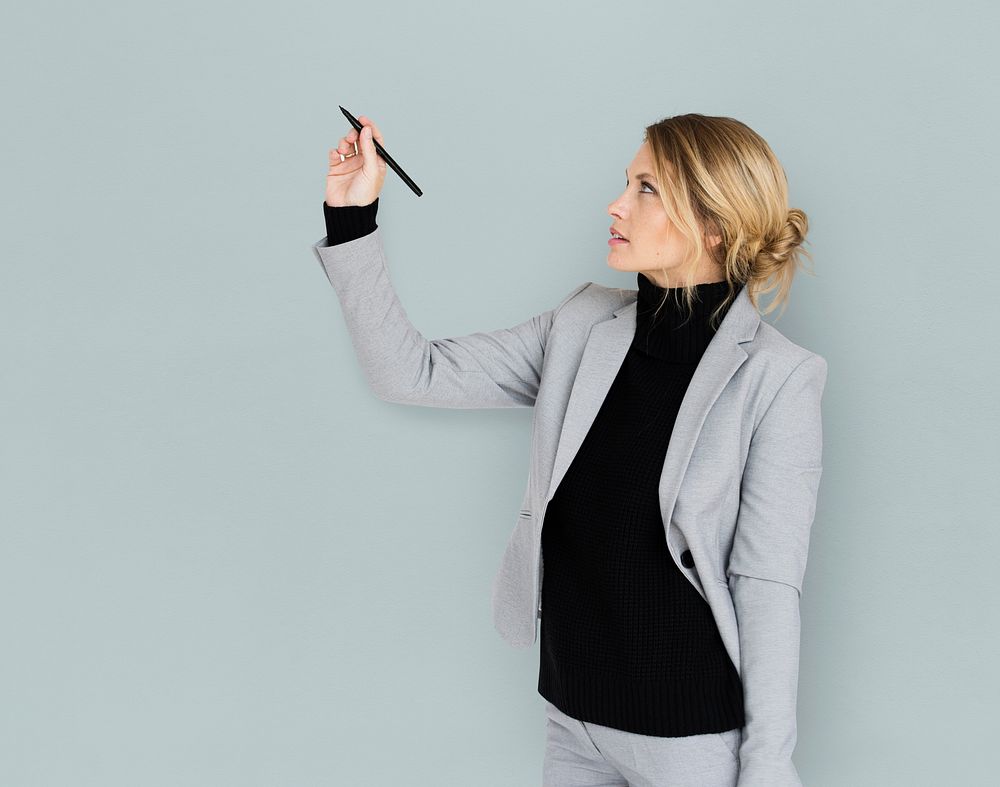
(349, 222)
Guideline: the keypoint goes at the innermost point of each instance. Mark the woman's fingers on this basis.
(347, 142)
(358, 179)
(343, 156)
(345, 146)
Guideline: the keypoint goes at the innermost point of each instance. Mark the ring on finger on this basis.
(344, 157)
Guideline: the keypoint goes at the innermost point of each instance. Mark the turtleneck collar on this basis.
(673, 336)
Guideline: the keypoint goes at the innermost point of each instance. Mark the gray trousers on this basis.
(583, 754)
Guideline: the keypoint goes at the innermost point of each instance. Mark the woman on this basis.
(670, 643)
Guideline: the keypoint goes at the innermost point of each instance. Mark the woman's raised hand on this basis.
(356, 180)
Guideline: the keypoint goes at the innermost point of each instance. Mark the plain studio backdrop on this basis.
(204, 541)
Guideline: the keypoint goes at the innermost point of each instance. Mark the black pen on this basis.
(381, 151)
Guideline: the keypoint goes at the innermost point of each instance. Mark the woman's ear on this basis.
(711, 233)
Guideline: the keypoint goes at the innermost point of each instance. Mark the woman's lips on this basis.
(616, 241)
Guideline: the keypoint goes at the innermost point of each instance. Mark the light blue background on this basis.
(204, 540)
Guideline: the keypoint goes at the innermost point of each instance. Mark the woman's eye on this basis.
(644, 183)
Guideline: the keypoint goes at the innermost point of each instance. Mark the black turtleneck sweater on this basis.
(626, 640)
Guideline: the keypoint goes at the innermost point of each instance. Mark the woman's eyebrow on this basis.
(640, 175)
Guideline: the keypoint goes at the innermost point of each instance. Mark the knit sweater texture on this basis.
(349, 222)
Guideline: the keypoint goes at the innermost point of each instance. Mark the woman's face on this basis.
(653, 242)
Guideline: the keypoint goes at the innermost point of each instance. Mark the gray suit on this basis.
(739, 483)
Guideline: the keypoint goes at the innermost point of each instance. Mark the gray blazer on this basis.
(739, 483)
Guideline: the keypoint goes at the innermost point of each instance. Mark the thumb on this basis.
(369, 156)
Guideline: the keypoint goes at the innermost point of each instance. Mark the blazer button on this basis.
(686, 560)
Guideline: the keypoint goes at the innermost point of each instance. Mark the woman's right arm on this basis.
(495, 369)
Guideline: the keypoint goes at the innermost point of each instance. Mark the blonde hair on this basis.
(719, 177)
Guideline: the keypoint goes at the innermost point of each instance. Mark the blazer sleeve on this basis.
(494, 369)
(767, 566)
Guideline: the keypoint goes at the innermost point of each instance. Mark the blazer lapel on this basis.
(602, 358)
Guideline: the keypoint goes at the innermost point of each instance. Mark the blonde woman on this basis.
(675, 459)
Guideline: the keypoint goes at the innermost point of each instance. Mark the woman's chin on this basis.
(616, 262)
